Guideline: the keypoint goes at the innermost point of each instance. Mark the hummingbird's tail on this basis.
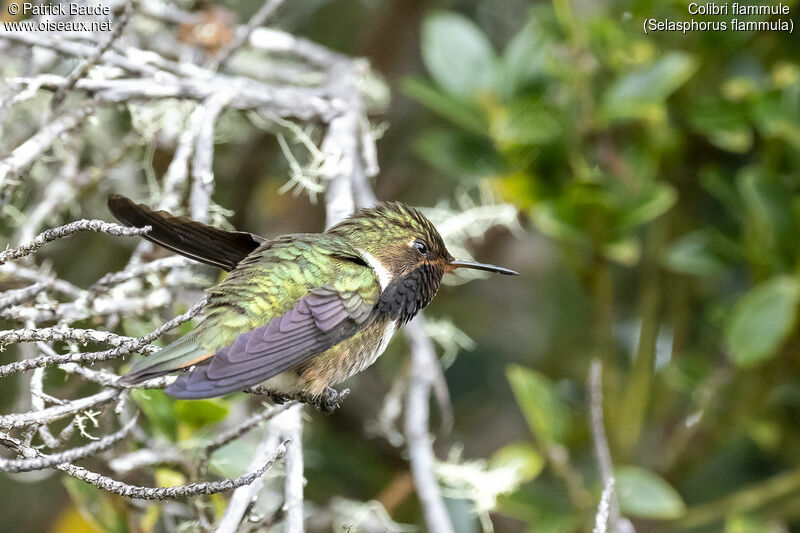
(195, 240)
(182, 353)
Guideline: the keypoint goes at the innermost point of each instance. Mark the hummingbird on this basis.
(300, 313)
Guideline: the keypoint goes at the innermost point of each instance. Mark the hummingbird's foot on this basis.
(330, 400)
(327, 402)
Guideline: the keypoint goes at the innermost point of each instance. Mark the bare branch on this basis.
(13, 336)
(28, 274)
(276, 41)
(301, 102)
(418, 439)
(27, 152)
(72, 48)
(243, 497)
(202, 174)
(67, 230)
(294, 482)
(46, 461)
(246, 426)
(91, 307)
(125, 345)
(152, 493)
(18, 296)
(92, 60)
(114, 278)
(602, 521)
(57, 412)
(243, 33)
(600, 442)
(151, 456)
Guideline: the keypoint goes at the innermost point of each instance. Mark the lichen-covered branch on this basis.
(41, 462)
(57, 412)
(67, 230)
(418, 438)
(27, 152)
(124, 345)
(151, 493)
(608, 504)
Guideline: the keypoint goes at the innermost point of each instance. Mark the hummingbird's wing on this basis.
(195, 240)
(319, 321)
(286, 303)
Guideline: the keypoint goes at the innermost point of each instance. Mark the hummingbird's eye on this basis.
(422, 248)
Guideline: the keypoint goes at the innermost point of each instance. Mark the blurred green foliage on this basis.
(666, 167)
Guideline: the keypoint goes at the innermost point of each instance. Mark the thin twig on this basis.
(29, 274)
(243, 497)
(92, 60)
(153, 493)
(243, 33)
(295, 481)
(18, 296)
(16, 336)
(114, 278)
(602, 521)
(46, 461)
(305, 103)
(202, 173)
(27, 152)
(125, 345)
(418, 438)
(57, 412)
(600, 442)
(251, 423)
(67, 230)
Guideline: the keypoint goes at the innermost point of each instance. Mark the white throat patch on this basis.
(384, 277)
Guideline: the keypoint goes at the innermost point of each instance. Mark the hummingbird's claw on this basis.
(330, 400)
(327, 402)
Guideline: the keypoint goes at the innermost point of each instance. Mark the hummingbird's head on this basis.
(405, 250)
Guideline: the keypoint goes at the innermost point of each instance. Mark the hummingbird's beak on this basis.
(482, 266)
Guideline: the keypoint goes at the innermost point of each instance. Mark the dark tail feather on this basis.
(181, 354)
(195, 240)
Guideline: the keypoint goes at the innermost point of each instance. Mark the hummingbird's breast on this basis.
(349, 357)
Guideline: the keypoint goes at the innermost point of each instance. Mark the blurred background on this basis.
(655, 181)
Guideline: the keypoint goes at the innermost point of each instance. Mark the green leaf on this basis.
(523, 122)
(641, 93)
(774, 118)
(751, 524)
(232, 459)
(524, 57)
(656, 200)
(544, 410)
(625, 251)
(723, 123)
(158, 408)
(693, 254)
(458, 54)
(644, 494)
(521, 454)
(167, 477)
(458, 155)
(459, 113)
(95, 506)
(558, 220)
(199, 413)
(772, 224)
(762, 320)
